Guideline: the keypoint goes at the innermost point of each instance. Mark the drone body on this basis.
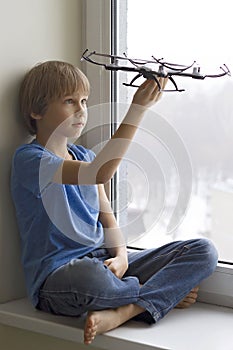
(142, 68)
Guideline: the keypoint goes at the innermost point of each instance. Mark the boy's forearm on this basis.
(108, 159)
(118, 251)
(114, 240)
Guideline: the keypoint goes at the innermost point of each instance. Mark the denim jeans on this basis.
(167, 275)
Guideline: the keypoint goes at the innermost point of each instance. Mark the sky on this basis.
(182, 30)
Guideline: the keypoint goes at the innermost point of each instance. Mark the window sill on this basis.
(200, 327)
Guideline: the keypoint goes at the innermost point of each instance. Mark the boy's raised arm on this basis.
(103, 167)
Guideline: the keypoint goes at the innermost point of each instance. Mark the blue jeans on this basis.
(167, 273)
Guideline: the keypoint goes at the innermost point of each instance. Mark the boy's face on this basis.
(65, 116)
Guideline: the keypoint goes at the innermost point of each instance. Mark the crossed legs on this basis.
(99, 322)
(156, 281)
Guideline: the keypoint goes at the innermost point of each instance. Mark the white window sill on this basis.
(200, 327)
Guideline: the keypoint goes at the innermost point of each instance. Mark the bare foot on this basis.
(190, 299)
(99, 322)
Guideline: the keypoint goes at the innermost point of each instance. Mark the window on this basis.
(176, 182)
(97, 26)
(177, 179)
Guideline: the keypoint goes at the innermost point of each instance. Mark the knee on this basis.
(208, 253)
(90, 268)
(90, 273)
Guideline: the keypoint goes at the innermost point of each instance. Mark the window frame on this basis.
(99, 34)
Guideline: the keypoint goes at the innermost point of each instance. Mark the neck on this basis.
(57, 145)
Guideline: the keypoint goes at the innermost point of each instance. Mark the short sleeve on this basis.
(34, 168)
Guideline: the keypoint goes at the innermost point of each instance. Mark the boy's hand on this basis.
(148, 93)
(118, 265)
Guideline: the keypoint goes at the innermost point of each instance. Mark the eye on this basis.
(84, 101)
(69, 101)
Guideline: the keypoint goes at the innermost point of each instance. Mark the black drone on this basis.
(142, 68)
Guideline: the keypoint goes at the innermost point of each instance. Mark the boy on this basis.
(74, 255)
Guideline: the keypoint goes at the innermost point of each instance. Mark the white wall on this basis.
(30, 31)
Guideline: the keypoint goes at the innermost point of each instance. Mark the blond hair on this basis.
(45, 83)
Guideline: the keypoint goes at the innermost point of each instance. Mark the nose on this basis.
(80, 107)
(80, 111)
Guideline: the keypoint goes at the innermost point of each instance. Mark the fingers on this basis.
(148, 93)
(158, 91)
(108, 262)
(145, 84)
(115, 267)
(153, 85)
(110, 265)
(163, 83)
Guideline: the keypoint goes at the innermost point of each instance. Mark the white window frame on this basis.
(96, 35)
(97, 31)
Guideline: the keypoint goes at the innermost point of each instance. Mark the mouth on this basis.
(78, 125)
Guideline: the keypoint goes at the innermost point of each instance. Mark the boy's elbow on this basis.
(91, 175)
(102, 179)
(104, 174)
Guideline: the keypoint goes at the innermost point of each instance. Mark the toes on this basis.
(183, 305)
(90, 330)
(189, 300)
(196, 289)
(89, 337)
(186, 302)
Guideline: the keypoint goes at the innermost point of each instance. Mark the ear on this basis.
(36, 116)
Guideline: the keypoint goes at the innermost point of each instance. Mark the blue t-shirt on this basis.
(56, 222)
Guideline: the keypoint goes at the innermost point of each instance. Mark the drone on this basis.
(150, 69)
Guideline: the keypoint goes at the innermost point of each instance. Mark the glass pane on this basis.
(177, 179)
